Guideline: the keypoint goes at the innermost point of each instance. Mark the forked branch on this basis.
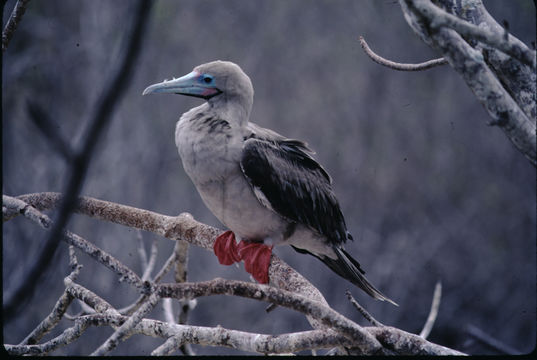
(288, 289)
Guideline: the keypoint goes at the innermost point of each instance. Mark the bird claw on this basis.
(225, 248)
(256, 256)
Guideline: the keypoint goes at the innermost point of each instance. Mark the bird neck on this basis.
(232, 109)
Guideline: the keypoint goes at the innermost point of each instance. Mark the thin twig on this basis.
(400, 66)
(128, 310)
(13, 22)
(125, 329)
(141, 249)
(488, 340)
(152, 260)
(73, 262)
(167, 309)
(363, 311)
(437, 295)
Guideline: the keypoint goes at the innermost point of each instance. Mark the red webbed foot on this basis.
(256, 258)
(225, 248)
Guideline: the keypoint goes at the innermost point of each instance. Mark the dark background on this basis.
(429, 192)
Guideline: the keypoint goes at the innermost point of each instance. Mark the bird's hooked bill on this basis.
(191, 84)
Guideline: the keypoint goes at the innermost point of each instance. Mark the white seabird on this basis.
(267, 189)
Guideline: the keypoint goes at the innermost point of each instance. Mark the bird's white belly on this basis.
(233, 202)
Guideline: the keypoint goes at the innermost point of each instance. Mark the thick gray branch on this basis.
(508, 106)
(50, 321)
(507, 44)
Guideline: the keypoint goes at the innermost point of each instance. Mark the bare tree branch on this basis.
(141, 249)
(437, 295)
(14, 205)
(123, 331)
(152, 260)
(158, 277)
(187, 334)
(318, 311)
(259, 343)
(400, 66)
(363, 311)
(13, 22)
(68, 336)
(186, 305)
(488, 340)
(439, 30)
(361, 340)
(50, 321)
(502, 41)
(181, 227)
(403, 343)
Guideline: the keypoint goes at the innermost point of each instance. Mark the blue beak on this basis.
(191, 84)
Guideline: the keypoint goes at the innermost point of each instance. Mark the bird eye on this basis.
(207, 79)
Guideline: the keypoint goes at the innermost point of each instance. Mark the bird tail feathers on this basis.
(348, 268)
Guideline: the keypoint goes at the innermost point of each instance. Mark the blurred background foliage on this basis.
(429, 192)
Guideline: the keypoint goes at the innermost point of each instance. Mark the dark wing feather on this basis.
(348, 268)
(295, 185)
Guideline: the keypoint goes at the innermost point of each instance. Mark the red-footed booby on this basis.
(267, 189)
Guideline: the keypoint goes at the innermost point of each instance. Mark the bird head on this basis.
(218, 82)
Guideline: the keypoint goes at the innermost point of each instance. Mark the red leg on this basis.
(225, 248)
(256, 258)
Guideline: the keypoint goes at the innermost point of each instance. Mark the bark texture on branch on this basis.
(498, 68)
(181, 227)
(289, 289)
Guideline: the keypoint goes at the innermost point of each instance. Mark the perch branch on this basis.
(368, 340)
(182, 227)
